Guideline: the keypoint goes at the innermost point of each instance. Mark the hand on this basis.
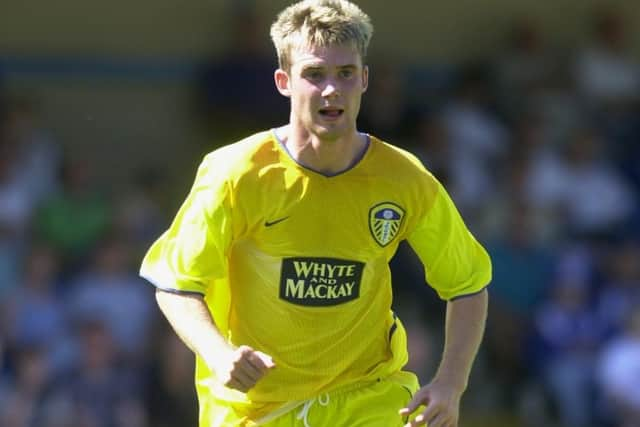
(442, 404)
(243, 367)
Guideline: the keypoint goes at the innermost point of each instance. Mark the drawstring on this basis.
(322, 399)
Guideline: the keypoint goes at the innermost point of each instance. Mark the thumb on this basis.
(413, 404)
(266, 359)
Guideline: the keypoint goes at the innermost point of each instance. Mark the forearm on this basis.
(191, 320)
(465, 323)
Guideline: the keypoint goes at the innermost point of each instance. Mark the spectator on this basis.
(36, 314)
(38, 155)
(606, 71)
(620, 293)
(98, 392)
(619, 373)
(16, 200)
(478, 138)
(599, 202)
(21, 395)
(569, 335)
(543, 177)
(73, 220)
(386, 110)
(526, 65)
(521, 277)
(171, 381)
(432, 145)
(109, 290)
(138, 214)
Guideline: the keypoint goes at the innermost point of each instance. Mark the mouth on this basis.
(331, 112)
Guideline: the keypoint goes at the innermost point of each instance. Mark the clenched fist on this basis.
(242, 368)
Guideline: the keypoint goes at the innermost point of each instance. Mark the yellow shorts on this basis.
(374, 404)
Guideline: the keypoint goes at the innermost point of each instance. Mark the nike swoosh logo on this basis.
(270, 223)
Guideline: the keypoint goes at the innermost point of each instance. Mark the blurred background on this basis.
(529, 113)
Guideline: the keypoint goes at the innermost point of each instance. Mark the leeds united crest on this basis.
(384, 222)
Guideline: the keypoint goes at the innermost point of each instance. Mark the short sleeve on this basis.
(455, 263)
(192, 253)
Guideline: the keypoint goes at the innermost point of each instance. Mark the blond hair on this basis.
(320, 23)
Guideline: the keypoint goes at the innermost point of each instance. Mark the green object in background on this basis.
(73, 224)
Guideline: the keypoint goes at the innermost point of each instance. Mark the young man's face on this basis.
(325, 86)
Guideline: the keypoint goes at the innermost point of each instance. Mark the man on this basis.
(275, 269)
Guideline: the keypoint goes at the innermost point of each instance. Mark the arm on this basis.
(465, 322)
(466, 318)
(191, 320)
(189, 316)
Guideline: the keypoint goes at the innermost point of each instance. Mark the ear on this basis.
(282, 82)
(365, 78)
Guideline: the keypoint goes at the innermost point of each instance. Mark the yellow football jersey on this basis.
(295, 263)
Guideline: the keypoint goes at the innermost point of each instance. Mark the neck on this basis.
(325, 156)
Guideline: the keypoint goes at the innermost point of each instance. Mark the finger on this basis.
(439, 420)
(419, 420)
(240, 378)
(430, 414)
(245, 360)
(243, 351)
(266, 360)
(415, 423)
(251, 370)
(257, 363)
(236, 385)
(240, 382)
(412, 405)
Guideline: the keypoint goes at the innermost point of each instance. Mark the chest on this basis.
(362, 215)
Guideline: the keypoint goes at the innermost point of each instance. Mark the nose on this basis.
(330, 90)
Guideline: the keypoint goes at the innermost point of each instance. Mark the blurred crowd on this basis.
(539, 147)
(80, 340)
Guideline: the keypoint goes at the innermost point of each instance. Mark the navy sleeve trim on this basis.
(177, 292)
(170, 290)
(394, 326)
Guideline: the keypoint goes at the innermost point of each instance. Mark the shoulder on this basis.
(399, 164)
(231, 162)
(234, 155)
(396, 156)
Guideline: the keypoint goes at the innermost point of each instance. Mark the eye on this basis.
(314, 75)
(346, 73)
